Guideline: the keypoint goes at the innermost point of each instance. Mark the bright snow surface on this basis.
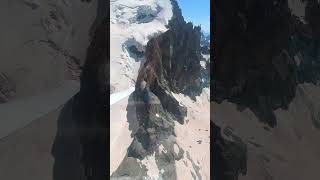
(115, 97)
(133, 23)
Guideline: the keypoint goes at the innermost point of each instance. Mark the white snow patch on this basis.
(178, 99)
(176, 148)
(162, 149)
(115, 97)
(157, 115)
(203, 64)
(206, 56)
(133, 22)
(152, 168)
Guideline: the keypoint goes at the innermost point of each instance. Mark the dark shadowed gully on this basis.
(82, 153)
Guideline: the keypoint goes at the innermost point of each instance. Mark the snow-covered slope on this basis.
(194, 138)
(132, 24)
(115, 97)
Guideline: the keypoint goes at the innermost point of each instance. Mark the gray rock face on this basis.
(170, 104)
(256, 63)
(129, 170)
(172, 65)
(229, 157)
(155, 125)
(89, 105)
(263, 53)
(173, 58)
(166, 160)
(7, 88)
(137, 150)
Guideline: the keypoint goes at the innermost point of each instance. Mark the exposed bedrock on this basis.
(229, 157)
(172, 66)
(7, 88)
(262, 52)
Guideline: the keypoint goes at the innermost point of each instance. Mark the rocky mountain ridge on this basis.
(172, 65)
(265, 55)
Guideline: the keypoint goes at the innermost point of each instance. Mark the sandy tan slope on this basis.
(288, 151)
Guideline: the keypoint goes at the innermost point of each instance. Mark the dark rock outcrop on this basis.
(155, 125)
(229, 157)
(93, 93)
(130, 169)
(176, 54)
(81, 142)
(7, 88)
(256, 53)
(89, 106)
(262, 52)
(172, 65)
(304, 45)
